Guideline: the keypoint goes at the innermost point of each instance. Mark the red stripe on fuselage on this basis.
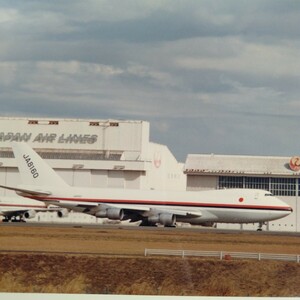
(21, 205)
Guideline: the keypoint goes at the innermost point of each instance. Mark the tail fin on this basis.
(33, 169)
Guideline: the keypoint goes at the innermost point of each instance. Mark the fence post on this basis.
(145, 251)
(221, 255)
(258, 256)
(182, 254)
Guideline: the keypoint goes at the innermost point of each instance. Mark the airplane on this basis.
(151, 207)
(18, 209)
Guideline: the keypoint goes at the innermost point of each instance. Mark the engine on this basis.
(111, 213)
(63, 213)
(164, 219)
(30, 214)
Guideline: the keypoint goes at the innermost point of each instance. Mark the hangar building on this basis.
(279, 175)
(119, 154)
(91, 153)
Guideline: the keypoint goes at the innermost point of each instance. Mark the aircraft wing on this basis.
(146, 209)
(136, 210)
(19, 212)
(25, 213)
(13, 213)
(132, 211)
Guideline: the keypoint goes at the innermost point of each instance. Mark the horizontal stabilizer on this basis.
(24, 192)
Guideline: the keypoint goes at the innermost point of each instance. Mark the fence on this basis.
(227, 255)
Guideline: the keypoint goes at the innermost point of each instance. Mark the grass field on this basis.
(116, 264)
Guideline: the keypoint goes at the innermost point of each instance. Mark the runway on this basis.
(144, 228)
(132, 240)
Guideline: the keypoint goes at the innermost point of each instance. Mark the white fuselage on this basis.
(223, 206)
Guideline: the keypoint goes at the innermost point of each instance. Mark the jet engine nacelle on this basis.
(164, 219)
(30, 214)
(63, 213)
(111, 213)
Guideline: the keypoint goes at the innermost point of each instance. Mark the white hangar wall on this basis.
(210, 171)
(92, 153)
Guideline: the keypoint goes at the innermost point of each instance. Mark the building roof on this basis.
(238, 165)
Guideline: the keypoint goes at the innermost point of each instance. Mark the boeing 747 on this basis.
(40, 182)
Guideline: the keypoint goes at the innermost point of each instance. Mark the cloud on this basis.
(213, 73)
(267, 60)
(8, 16)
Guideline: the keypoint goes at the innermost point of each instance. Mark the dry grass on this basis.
(146, 276)
(120, 268)
(15, 281)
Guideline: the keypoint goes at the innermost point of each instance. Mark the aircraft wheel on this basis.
(260, 225)
(146, 223)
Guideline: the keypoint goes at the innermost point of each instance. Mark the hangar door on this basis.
(115, 179)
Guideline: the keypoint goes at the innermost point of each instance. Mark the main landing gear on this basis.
(260, 225)
(13, 219)
(145, 222)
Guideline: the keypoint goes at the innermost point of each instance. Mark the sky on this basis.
(219, 76)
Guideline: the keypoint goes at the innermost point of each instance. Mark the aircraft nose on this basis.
(285, 206)
(289, 210)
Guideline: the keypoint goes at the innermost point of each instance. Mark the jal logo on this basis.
(157, 159)
(295, 163)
